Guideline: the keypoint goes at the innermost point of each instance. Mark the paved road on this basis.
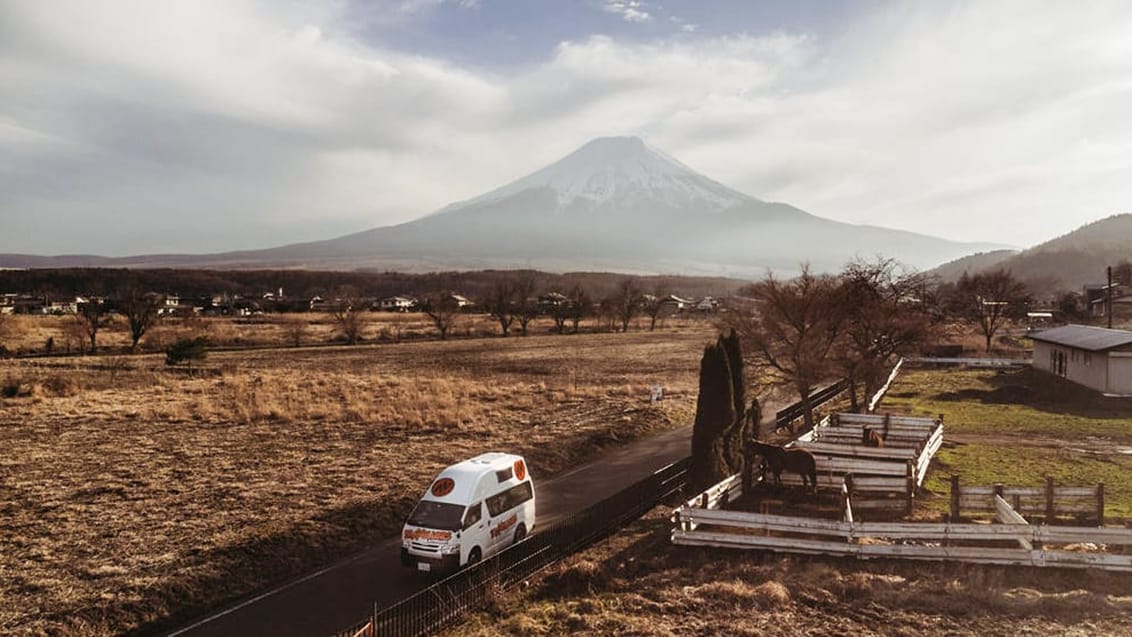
(343, 593)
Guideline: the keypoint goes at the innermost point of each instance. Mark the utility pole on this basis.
(1108, 298)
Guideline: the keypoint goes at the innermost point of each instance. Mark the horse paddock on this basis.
(857, 473)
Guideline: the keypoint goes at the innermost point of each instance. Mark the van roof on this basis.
(466, 475)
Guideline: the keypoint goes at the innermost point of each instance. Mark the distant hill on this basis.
(1065, 263)
(952, 270)
(616, 204)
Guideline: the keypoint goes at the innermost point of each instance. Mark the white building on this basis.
(1095, 357)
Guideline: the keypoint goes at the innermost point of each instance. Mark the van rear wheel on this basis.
(520, 533)
(474, 556)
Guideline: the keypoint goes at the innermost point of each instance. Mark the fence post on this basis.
(1050, 512)
(954, 498)
(704, 500)
(1100, 504)
(887, 421)
(835, 420)
(910, 487)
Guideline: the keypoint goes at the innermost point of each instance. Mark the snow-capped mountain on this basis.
(619, 172)
(615, 204)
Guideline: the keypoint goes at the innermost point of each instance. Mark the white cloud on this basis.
(629, 10)
(210, 126)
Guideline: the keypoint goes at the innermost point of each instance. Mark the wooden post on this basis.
(910, 487)
(954, 498)
(703, 500)
(1100, 504)
(887, 421)
(998, 490)
(835, 420)
(1051, 513)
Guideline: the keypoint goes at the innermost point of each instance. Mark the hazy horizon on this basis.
(139, 128)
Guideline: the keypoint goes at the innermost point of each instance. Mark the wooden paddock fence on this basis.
(1010, 544)
(883, 478)
(702, 521)
(1049, 501)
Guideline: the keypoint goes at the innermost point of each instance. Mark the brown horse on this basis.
(797, 461)
(871, 438)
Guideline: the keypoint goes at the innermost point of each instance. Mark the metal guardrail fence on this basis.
(445, 602)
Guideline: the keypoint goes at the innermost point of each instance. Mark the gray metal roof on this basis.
(1086, 337)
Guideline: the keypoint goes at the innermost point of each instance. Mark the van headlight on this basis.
(449, 550)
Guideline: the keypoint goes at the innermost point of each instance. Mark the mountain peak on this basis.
(621, 171)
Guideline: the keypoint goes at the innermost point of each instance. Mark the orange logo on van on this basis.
(443, 487)
(520, 470)
(426, 534)
(504, 525)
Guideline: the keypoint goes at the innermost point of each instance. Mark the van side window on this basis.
(519, 494)
(473, 515)
(497, 504)
(503, 475)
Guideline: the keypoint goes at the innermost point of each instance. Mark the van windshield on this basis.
(437, 515)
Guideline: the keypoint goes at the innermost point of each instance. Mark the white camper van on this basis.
(473, 509)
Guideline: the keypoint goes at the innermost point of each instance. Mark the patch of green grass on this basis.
(1018, 427)
(986, 464)
(1024, 402)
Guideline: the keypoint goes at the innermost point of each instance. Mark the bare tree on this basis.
(526, 304)
(793, 330)
(91, 317)
(989, 298)
(653, 304)
(885, 316)
(347, 312)
(501, 304)
(444, 310)
(580, 305)
(142, 311)
(627, 302)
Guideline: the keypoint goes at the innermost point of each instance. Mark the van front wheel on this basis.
(520, 533)
(474, 556)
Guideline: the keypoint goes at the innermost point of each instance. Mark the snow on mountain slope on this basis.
(619, 172)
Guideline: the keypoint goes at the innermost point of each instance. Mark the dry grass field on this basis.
(130, 492)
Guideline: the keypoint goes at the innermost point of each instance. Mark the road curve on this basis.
(340, 594)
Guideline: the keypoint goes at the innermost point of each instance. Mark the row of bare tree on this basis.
(805, 331)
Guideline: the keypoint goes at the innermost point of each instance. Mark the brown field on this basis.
(28, 334)
(131, 492)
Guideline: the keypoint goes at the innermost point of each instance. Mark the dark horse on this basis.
(871, 438)
(797, 461)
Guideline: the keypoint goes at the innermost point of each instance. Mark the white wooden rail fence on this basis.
(888, 475)
(1010, 544)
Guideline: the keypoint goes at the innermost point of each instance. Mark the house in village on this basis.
(396, 304)
(1095, 357)
(673, 304)
(707, 304)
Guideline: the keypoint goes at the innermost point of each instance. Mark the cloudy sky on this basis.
(132, 127)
